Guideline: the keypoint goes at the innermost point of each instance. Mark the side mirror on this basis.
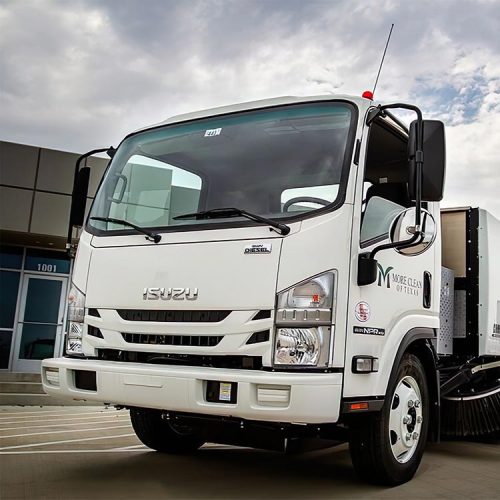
(403, 227)
(79, 197)
(434, 166)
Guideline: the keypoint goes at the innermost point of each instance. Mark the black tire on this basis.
(370, 441)
(160, 435)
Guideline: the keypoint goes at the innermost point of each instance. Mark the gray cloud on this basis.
(80, 74)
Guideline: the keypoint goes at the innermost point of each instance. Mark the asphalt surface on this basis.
(92, 453)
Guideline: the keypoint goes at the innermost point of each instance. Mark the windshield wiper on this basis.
(150, 235)
(235, 212)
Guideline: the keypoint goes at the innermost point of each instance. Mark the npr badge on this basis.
(368, 330)
(362, 311)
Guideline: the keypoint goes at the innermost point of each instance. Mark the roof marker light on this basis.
(367, 94)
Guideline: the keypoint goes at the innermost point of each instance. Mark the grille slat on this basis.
(94, 332)
(258, 337)
(164, 316)
(233, 362)
(182, 340)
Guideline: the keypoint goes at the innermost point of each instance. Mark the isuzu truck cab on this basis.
(268, 274)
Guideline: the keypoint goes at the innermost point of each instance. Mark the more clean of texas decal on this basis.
(399, 282)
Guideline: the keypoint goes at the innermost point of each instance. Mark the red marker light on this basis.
(367, 94)
(315, 298)
(358, 406)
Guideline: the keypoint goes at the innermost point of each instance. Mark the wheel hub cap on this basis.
(406, 419)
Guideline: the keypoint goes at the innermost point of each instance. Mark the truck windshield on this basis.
(279, 163)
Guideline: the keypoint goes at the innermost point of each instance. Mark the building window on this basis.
(11, 257)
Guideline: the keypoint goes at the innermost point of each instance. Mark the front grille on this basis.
(173, 316)
(232, 362)
(187, 340)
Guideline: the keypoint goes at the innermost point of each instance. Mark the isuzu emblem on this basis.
(157, 293)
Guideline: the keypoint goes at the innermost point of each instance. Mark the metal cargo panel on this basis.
(489, 284)
(444, 341)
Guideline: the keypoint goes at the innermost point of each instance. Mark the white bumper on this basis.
(266, 396)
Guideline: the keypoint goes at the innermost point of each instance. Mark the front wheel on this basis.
(161, 435)
(386, 448)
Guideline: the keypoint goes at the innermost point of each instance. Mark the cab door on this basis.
(405, 294)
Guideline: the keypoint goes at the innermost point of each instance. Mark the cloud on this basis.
(76, 75)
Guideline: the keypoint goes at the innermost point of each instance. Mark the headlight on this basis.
(303, 323)
(76, 315)
(302, 346)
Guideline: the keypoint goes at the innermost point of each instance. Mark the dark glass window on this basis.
(11, 257)
(5, 341)
(37, 341)
(43, 301)
(9, 285)
(46, 261)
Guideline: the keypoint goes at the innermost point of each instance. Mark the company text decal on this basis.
(402, 283)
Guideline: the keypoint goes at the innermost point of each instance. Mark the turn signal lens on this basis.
(76, 315)
(314, 293)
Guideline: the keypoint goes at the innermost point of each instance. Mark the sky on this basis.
(81, 74)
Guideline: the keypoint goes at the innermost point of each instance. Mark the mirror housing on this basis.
(434, 155)
(79, 197)
(367, 269)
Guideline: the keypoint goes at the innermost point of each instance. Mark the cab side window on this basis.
(385, 181)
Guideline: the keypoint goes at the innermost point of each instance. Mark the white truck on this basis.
(279, 273)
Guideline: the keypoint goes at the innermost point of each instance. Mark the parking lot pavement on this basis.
(92, 453)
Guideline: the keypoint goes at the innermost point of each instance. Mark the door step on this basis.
(21, 387)
(25, 389)
(20, 377)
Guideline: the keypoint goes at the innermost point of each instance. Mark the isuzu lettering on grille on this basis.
(157, 293)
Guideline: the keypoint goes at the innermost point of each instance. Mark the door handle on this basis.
(427, 292)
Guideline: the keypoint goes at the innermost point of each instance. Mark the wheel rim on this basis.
(405, 419)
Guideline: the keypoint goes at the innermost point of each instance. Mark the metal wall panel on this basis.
(18, 163)
(15, 207)
(50, 214)
(56, 171)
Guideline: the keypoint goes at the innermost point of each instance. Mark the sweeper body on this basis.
(269, 274)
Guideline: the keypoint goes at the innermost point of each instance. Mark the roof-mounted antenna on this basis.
(383, 57)
(367, 94)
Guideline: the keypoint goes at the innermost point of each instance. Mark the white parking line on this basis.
(123, 418)
(135, 446)
(38, 452)
(89, 409)
(63, 414)
(65, 431)
(72, 419)
(64, 441)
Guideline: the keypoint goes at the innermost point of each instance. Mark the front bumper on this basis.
(311, 398)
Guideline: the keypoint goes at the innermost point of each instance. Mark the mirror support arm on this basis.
(367, 263)
(110, 151)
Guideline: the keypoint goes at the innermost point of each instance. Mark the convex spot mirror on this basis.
(434, 166)
(403, 228)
